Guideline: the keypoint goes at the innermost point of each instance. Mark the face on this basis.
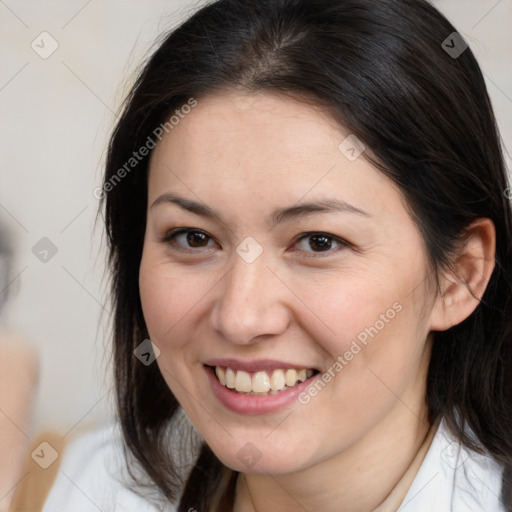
(272, 256)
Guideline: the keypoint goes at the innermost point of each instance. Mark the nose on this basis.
(251, 304)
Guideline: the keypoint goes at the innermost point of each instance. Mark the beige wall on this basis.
(56, 114)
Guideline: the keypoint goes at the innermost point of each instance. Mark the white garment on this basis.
(454, 479)
(450, 479)
(93, 478)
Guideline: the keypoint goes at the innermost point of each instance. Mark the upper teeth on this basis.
(261, 382)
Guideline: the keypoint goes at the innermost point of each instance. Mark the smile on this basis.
(263, 386)
(262, 383)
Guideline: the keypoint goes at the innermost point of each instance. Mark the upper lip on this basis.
(256, 365)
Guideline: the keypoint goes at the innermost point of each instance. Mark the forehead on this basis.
(278, 125)
(255, 147)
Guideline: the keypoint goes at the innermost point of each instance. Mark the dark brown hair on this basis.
(381, 70)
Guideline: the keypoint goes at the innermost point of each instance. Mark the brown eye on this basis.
(320, 243)
(314, 243)
(184, 239)
(197, 239)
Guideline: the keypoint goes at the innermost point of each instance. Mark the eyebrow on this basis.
(278, 216)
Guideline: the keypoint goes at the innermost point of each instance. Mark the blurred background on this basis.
(64, 69)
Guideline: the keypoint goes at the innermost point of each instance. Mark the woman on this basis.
(306, 211)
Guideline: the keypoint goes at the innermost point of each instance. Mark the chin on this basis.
(262, 457)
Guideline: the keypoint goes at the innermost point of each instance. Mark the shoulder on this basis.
(454, 478)
(93, 475)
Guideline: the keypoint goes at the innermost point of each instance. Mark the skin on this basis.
(245, 156)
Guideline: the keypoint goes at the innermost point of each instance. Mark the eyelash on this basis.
(170, 238)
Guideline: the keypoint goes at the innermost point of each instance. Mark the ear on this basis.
(463, 286)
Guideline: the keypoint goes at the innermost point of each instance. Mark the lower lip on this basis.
(253, 405)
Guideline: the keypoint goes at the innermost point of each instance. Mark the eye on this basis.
(188, 239)
(319, 242)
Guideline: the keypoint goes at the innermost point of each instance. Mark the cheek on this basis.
(167, 299)
(375, 360)
(371, 329)
(350, 308)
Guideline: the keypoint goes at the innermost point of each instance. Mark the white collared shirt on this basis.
(454, 479)
(92, 477)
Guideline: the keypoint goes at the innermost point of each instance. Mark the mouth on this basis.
(263, 382)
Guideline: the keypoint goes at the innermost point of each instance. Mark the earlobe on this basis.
(463, 286)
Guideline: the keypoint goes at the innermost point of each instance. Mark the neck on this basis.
(359, 478)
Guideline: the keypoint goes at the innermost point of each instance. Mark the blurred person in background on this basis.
(18, 378)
